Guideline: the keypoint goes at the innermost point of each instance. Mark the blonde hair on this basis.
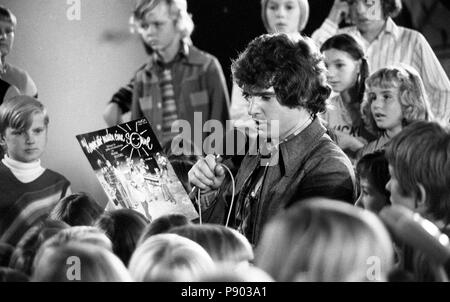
(223, 244)
(177, 9)
(82, 234)
(169, 257)
(325, 240)
(17, 113)
(304, 14)
(96, 264)
(412, 96)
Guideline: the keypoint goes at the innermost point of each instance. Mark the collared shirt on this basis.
(309, 165)
(199, 87)
(395, 45)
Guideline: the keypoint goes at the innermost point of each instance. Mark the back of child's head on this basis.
(325, 240)
(411, 91)
(27, 247)
(224, 245)
(169, 257)
(77, 209)
(17, 113)
(124, 227)
(83, 234)
(373, 167)
(77, 261)
(352, 47)
(419, 156)
(163, 224)
(7, 16)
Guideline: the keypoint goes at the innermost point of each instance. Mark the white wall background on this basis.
(77, 66)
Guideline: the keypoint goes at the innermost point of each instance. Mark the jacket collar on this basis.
(391, 27)
(187, 54)
(296, 149)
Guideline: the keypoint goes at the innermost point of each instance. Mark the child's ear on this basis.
(421, 198)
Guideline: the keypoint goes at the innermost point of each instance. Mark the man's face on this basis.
(6, 37)
(367, 15)
(271, 117)
(158, 29)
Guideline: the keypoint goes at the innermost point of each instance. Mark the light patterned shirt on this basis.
(395, 45)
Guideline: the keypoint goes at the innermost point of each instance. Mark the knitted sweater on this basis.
(22, 205)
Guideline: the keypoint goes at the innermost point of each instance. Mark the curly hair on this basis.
(412, 96)
(293, 66)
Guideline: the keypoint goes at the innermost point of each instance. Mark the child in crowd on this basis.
(23, 256)
(15, 77)
(124, 227)
(169, 257)
(347, 72)
(373, 175)
(96, 264)
(162, 225)
(77, 209)
(28, 191)
(396, 97)
(226, 246)
(334, 242)
(419, 166)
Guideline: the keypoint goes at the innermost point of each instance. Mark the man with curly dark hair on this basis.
(283, 79)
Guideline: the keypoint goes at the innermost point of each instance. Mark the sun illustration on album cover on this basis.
(133, 171)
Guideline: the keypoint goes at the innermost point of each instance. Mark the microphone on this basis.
(195, 189)
(417, 232)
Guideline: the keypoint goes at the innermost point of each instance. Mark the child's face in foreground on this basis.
(370, 199)
(27, 146)
(386, 108)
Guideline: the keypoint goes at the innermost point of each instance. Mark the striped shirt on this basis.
(22, 205)
(394, 45)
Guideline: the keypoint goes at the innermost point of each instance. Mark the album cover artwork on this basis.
(133, 171)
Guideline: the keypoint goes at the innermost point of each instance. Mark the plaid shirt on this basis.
(199, 86)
